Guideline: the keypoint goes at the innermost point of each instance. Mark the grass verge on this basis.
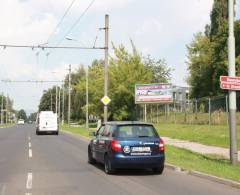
(77, 130)
(209, 164)
(6, 125)
(205, 134)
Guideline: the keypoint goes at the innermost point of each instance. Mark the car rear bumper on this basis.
(47, 130)
(122, 161)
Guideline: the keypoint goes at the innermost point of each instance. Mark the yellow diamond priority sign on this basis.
(106, 100)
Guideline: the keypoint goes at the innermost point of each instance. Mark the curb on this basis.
(182, 170)
(204, 176)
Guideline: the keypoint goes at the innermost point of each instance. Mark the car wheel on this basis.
(37, 133)
(158, 170)
(91, 160)
(57, 133)
(108, 168)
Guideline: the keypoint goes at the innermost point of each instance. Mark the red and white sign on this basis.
(231, 83)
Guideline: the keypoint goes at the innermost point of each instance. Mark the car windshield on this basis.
(136, 131)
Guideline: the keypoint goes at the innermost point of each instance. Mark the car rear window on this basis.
(136, 131)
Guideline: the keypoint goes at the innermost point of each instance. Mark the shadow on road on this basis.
(127, 172)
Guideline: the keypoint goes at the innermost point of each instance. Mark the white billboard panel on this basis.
(153, 93)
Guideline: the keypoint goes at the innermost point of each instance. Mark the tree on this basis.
(199, 66)
(32, 116)
(208, 53)
(22, 114)
(45, 102)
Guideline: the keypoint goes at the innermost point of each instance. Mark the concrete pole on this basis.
(232, 94)
(106, 66)
(7, 109)
(87, 122)
(69, 95)
(56, 98)
(51, 99)
(2, 109)
(63, 99)
(59, 104)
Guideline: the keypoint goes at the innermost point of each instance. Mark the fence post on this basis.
(151, 114)
(174, 107)
(209, 110)
(157, 113)
(196, 109)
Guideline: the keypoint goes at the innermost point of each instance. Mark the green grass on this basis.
(205, 134)
(210, 164)
(6, 125)
(77, 130)
(203, 163)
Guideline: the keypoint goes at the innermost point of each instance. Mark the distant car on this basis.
(20, 122)
(127, 145)
(47, 121)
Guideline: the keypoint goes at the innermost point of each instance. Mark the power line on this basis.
(31, 81)
(77, 21)
(48, 47)
(61, 20)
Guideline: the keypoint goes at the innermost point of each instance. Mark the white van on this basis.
(47, 121)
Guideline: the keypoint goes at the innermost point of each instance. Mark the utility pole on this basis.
(87, 122)
(63, 102)
(2, 110)
(59, 104)
(51, 99)
(56, 103)
(69, 95)
(7, 109)
(106, 28)
(232, 93)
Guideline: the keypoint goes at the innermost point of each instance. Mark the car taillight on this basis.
(116, 146)
(161, 145)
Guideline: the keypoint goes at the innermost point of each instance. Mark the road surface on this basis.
(57, 165)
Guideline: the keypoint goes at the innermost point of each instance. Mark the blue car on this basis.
(127, 145)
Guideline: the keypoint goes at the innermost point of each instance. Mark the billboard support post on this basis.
(145, 112)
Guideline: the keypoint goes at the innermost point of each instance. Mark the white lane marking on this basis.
(30, 153)
(29, 145)
(29, 181)
(3, 189)
(29, 138)
(28, 193)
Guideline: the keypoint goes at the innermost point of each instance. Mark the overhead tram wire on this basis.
(56, 27)
(76, 22)
(48, 47)
(61, 20)
(31, 81)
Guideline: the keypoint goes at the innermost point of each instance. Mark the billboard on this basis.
(153, 93)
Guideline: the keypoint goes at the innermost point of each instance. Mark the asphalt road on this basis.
(57, 165)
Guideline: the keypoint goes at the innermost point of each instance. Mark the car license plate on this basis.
(141, 149)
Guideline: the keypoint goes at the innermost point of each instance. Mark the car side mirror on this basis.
(92, 134)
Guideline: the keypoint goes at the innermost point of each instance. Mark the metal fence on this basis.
(212, 111)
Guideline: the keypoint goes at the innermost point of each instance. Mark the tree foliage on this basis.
(207, 53)
(126, 68)
(22, 114)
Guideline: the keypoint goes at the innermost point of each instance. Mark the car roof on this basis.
(126, 123)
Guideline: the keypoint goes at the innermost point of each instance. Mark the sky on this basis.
(161, 28)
